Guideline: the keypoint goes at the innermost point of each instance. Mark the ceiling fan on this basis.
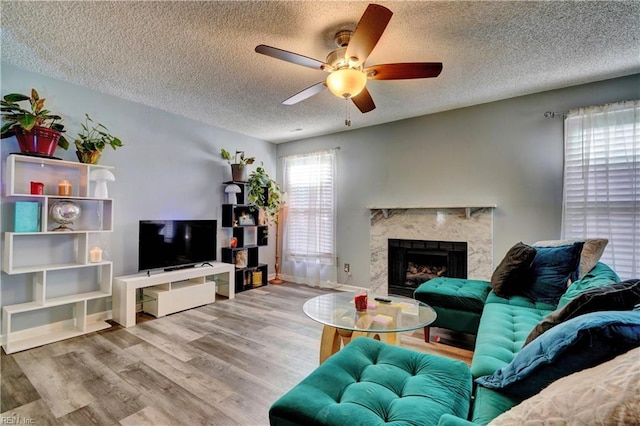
(347, 74)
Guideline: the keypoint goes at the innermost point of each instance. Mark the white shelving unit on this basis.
(64, 280)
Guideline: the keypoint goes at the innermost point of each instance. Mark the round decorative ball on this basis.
(64, 211)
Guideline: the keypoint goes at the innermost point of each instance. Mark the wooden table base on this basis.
(333, 339)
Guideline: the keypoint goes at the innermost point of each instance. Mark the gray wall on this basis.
(505, 153)
(169, 167)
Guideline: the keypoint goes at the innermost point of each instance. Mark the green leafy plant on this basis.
(238, 158)
(15, 115)
(265, 194)
(95, 137)
(92, 140)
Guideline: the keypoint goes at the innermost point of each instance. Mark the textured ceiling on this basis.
(197, 59)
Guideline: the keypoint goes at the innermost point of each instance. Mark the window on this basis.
(309, 253)
(602, 181)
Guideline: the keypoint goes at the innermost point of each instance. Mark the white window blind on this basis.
(309, 253)
(602, 181)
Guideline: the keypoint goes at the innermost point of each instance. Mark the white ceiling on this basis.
(197, 59)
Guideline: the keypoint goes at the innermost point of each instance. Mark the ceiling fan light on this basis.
(347, 82)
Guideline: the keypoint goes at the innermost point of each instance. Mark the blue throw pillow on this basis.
(579, 343)
(552, 268)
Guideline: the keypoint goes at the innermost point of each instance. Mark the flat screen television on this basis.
(173, 244)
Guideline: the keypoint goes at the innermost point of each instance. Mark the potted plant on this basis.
(92, 140)
(264, 193)
(37, 130)
(238, 170)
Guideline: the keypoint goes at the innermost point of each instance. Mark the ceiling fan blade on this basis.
(306, 93)
(364, 101)
(294, 58)
(368, 32)
(403, 71)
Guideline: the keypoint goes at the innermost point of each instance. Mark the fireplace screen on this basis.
(413, 262)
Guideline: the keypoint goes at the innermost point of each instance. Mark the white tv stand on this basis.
(173, 291)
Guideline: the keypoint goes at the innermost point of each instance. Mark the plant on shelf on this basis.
(238, 170)
(265, 194)
(38, 131)
(92, 140)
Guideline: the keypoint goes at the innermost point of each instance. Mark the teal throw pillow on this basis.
(551, 271)
(621, 296)
(581, 342)
(601, 275)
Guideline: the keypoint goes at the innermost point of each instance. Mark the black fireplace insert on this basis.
(413, 262)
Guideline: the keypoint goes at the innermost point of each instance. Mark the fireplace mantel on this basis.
(435, 223)
(468, 208)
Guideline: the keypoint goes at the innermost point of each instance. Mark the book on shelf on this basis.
(27, 216)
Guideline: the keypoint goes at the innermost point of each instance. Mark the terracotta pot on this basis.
(238, 174)
(39, 140)
(89, 157)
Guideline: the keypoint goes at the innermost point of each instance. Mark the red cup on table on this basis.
(360, 301)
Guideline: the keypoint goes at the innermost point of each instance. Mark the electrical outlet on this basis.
(347, 268)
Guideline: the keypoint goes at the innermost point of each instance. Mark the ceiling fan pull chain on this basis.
(347, 120)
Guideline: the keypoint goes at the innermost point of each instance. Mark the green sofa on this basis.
(504, 326)
(369, 382)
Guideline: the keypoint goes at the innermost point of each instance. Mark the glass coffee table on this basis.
(337, 313)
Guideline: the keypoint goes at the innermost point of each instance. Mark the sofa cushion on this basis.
(615, 297)
(454, 293)
(600, 275)
(489, 404)
(552, 269)
(502, 331)
(513, 271)
(574, 345)
(369, 382)
(590, 255)
(521, 301)
(608, 393)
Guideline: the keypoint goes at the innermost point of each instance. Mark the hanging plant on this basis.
(265, 194)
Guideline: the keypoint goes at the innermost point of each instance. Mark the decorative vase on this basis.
(37, 141)
(239, 172)
(64, 212)
(89, 157)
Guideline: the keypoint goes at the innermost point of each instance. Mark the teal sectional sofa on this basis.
(504, 327)
(588, 338)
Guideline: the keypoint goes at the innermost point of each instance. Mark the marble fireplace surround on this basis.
(470, 224)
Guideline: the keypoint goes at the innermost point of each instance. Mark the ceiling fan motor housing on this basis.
(337, 58)
(347, 73)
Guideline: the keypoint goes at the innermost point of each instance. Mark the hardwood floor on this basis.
(220, 364)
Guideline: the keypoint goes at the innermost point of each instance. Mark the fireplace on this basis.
(471, 224)
(412, 262)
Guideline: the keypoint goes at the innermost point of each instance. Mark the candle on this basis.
(95, 255)
(64, 188)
